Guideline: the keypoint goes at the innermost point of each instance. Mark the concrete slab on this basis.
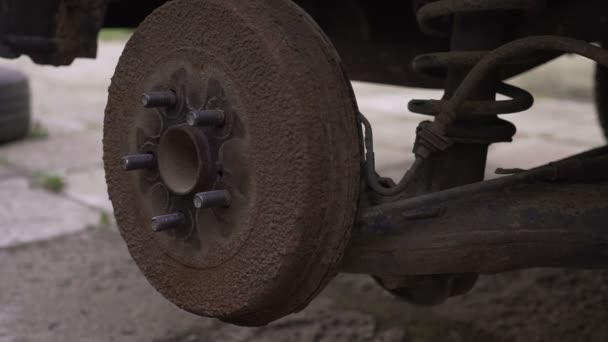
(569, 77)
(6, 171)
(85, 287)
(28, 214)
(82, 287)
(570, 122)
(57, 153)
(390, 101)
(394, 164)
(526, 153)
(89, 187)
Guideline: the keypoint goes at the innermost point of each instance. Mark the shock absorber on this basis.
(451, 150)
(478, 26)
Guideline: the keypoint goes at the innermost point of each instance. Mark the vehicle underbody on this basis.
(245, 178)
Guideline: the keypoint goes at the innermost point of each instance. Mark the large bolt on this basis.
(205, 118)
(167, 222)
(212, 199)
(159, 99)
(138, 162)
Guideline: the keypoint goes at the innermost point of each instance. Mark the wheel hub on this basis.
(187, 191)
(240, 174)
(184, 160)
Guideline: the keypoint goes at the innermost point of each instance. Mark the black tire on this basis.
(601, 96)
(15, 109)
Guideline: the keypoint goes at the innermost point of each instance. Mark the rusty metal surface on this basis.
(600, 90)
(451, 152)
(300, 154)
(56, 32)
(538, 225)
(552, 216)
(461, 161)
(257, 224)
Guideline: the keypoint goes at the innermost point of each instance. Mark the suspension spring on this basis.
(458, 108)
(434, 19)
(444, 130)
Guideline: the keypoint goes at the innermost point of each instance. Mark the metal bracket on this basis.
(551, 216)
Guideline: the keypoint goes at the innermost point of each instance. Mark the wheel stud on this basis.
(159, 99)
(212, 199)
(167, 222)
(205, 118)
(138, 162)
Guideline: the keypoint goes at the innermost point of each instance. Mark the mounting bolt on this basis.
(138, 162)
(212, 199)
(212, 117)
(159, 99)
(167, 222)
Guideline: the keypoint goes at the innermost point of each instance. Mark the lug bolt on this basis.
(159, 99)
(138, 162)
(167, 222)
(212, 199)
(205, 118)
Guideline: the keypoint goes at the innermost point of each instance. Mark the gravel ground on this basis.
(66, 274)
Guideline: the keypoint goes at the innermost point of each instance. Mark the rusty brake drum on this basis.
(239, 179)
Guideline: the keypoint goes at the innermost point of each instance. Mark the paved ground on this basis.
(66, 274)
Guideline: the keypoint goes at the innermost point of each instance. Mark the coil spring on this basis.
(432, 18)
(457, 107)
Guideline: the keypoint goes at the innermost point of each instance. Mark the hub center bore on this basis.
(189, 161)
(183, 159)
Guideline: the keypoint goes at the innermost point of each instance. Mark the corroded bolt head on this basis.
(212, 199)
(211, 117)
(159, 99)
(138, 162)
(167, 222)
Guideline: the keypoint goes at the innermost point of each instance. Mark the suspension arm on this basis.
(552, 216)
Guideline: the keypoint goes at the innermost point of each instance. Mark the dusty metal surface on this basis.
(532, 225)
(251, 190)
(291, 168)
(240, 167)
(51, 32)
(451, 152)
(462, 161)
(551, 216)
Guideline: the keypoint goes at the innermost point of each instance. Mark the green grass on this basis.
(104, 220)
(49, 182)
(38, 131)
(110, 34)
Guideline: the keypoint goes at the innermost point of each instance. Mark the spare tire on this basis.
(15, 109)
